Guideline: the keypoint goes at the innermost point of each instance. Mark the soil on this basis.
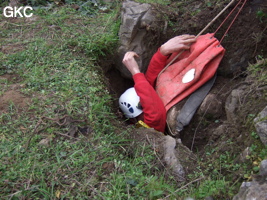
(12, 95)
(245, 39)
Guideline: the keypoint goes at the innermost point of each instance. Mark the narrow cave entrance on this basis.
(118, 84)
(198, 133)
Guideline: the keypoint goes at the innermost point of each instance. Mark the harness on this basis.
(140, 123)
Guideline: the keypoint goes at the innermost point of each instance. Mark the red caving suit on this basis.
(153, 108)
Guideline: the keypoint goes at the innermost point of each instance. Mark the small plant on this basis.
(260, 15)
(255, 135)
(163, 2)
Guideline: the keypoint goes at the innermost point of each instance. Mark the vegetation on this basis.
(162, 2)
(65, 142)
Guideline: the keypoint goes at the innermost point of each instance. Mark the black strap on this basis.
(192, 103)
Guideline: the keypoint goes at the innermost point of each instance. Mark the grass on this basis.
(161, 2)
(66, 142)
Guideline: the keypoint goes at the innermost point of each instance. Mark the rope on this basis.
(227, 17)
(204, 29)
(213, 20)
(233, 21)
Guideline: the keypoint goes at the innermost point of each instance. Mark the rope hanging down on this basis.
(194, 72)
(209, 24)
(232, 20)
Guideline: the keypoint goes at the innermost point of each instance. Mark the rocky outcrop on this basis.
(211, 107)
(171, 159)
(257, 188)
(170, 153)
(261, 125)
(233, 102)
(137, 33)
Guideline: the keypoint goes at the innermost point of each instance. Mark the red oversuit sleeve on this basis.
(157, 63)
(153, 108)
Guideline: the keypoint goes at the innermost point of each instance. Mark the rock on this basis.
(263, 168)
(172, 114)
(210, 107)
(252, 190)
(232, 104)
(244, 155)
(257, 188)
(170, 153)
(261, 125)
(171, 160)
(75, 6)
(136, 33)
(216, 133)
(237, 62)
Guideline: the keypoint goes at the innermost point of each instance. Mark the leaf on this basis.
(58, 194)
(256, 169)
(63, 154)
(157, 193)
(131, 182)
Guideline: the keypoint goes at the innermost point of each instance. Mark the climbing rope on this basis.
(219, 42)
(208, 25)
(227, 17)
(233, 19)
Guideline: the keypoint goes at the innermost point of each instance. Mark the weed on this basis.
(163, 2)
(260, 15)
(254, 135)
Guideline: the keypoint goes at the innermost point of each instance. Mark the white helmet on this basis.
(130, 103)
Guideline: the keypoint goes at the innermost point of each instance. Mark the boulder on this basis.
(257, 188)
(261, 125)
(232, 104)
(263, 168)
(211, 107)
(171, 159)
(251, 190)
(170, 153)
(137, 33)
